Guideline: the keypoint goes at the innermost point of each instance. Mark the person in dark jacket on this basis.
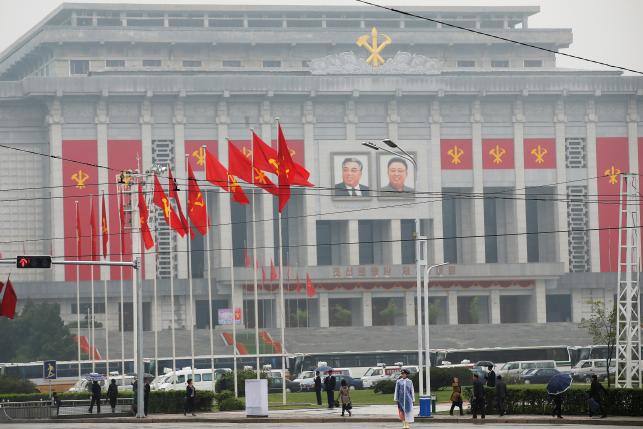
(557, 410)
(456, 396)
(56, 402)
(318, 387)
(329, 386)
(477, 400)
(491, 377)
(146, 396)
(501, 394)
(112, 395)
(190, 396)
(596, 392)
(96, 394)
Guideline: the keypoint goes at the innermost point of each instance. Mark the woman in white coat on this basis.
(404, 396)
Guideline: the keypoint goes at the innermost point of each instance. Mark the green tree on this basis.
(16, 385)
(601, 326)
(435, 311)
(341, 316)
(474, 309)
(7, 339)
(390, 312)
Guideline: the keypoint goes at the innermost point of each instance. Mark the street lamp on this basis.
(405, 155)
(426, 324)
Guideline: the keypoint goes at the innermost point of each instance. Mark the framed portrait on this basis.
(395, 176)
(351, 175)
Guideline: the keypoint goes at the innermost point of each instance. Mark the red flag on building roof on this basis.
(310, 287)
(197, 211)
(104, 230)
(162, 202)
(8, 300)
(174, 194)
(146, 235)
(93, 223)
(274, 275)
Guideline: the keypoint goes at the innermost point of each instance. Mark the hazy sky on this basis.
(606, 30)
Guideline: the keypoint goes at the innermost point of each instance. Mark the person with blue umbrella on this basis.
(558, 384)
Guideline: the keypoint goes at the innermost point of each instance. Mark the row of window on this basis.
(496, 64)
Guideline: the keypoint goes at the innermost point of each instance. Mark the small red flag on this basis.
(146, 235)
(310, 287)
(93, 223)
(297, 285)
(274, 275)
(162, 202)
(104, 227)
(174, 194)
(286, 165)
(197, 211)
(246, 258)
(8, 300)
(79, 243)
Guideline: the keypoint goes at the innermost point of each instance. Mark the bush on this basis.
(223, 395)
(232, 404)
(535, 400)
(384, 386)
(227, 381)
(16, 385)
(443, 377)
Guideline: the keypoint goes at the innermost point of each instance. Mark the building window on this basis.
(366, 246)
(231, 63)
(305, 63)
(191, 63)
(271, 63)
(99, 308)
(78, 67)
(497, 64)
(408, 240)
(324, 249)
(114, 63)
(151, 63)
(533, 63)
(466, 63)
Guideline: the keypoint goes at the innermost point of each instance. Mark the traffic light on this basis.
(33, 261)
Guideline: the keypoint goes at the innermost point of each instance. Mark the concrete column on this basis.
(353, 237)
(562, 244)
(577, 305)
(494, 306)
(367, 309)
(393, 120)
(104, 176)
(265, 232)
(435, 181)
(323, 310)
(519, 244)
(179, 172)
(540, 298)
(591, 118)
(146, 120)
(478, 188)
(223, 210)
(633, 134)
(409, 308)
(452, 303)
(55, 121)
(351, 120)
(395, 257)
(310, 202)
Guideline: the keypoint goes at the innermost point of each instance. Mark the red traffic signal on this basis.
(33, 261)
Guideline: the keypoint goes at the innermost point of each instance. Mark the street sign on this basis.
(49, 371)
(33, 261)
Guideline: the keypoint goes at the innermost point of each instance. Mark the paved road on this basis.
(188, 425)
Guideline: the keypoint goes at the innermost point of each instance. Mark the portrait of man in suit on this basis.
(397, 173)
(354, 181)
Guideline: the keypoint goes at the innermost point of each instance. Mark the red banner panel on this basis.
(497, 154)
(455, 154)
(80, 181)
(611, 160)
(194, 148)
(540, 153)
(121, 155)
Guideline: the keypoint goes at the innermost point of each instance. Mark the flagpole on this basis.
(80, 375)
(282, 315)
(91, 269)
(172, 303)
(208, 256)
(156, 326)
(234, 325)
(120, 224)
(188, 240)
(254, 253)
(105, 296)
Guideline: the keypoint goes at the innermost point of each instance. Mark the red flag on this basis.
(104, 228)
(298, 284)
(146, 235)
(8, 300)
(286, 165)
(266, 158)
(93, 223)
(263, 275)
(172, 186)
(162, 202)
(240, 166)
(237, 192)
(217, 174)
(197, 211)
(310, 288)
(79, 246)
(246, 258)
(274, 275)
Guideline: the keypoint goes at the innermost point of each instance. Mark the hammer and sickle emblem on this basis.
(80, 177)
(612, 173)
(539, 152)
(375, 59)
(455, 153)
(260, 177)
(199, 155)
(166, 207)
(234, 185)
(497, 152)
(246, 152)
(198, 202)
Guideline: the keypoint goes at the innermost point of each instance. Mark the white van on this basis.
(201, 379)
(124, 382)
(379, 373)
(514, 369)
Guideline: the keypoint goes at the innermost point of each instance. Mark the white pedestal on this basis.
(257, 398)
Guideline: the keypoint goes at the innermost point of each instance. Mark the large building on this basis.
(516, 183)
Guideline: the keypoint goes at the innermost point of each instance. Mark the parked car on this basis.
(306, 379)
(538, 375)
(512, 370)
(584, 370)
(353, 383)
(275, 385)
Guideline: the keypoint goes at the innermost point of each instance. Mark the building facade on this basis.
(516, 183)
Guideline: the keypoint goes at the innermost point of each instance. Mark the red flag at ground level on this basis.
(93, 223)
(286, 165)
(103, 227)
(79, 247)
(246, 258)
(146, 235)
(8, 300)
(273, 271)
(297, 284)
(310, 288)
(162, 202)
(197, 211)
(174, 194)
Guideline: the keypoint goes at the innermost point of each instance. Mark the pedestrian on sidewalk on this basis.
(501, 394)
(404, 396)
(477, 401)
(330, 382)
(112, 395)
(557, 408)
(146, 396)
(456, 396)
(190, 396)
(345, 398)
(491, 377)
(596, 393)
(56, 402)
(318, 387)
(96, 394)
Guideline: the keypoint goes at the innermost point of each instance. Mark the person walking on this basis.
(501, 394)
(404, 396)
(456, 396)
(345, 398)
(491, 377)
(596, 392)
(96, 394)
(558, 405)
(146, 396)
(190, 395)
(112, 395)
(318, 387)
(477, 401)
(329, 386)
(56, 402)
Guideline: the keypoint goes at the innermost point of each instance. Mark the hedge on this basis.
(440, 378)
(226, 382)
(530, 400)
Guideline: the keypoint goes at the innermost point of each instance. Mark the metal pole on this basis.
(80, 375)
(426, 325)
(418, 299)
(122, 318)
(254, 253)
(137, 284)
(282, 315)
(156, 328)
(208, 256)
(234, 325)
(91, 270)
(106, 330)
(188, 239)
